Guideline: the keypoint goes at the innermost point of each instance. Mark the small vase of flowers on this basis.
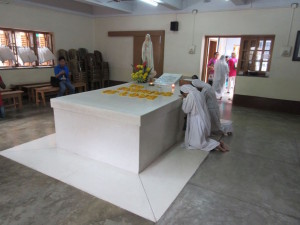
(141, 72)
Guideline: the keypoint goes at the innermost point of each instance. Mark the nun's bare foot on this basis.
(221, 149)
(224, 146)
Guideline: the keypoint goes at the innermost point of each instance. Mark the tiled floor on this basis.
(257, 182)
(148, 194)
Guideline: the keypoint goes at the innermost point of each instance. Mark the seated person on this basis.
(61, 72)
(3, 86)
(217, 124)
(198, 122)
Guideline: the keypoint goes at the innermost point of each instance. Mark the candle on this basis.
(173, 85)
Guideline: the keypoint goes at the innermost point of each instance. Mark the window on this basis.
(21, 48)
(256, 54)
(44, 45)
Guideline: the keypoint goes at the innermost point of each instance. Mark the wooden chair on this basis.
(82, 52)
(73, 54)
(64, 53)
(77, 75)
(98, 57)
(105, 74)
(93, 71)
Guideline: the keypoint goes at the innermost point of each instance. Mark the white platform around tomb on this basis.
(129, 133)
(148, 194)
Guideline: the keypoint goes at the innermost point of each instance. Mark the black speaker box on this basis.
(174, 26)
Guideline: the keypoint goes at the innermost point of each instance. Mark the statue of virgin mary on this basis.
(147, 52)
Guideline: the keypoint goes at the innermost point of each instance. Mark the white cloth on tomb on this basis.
(198, 121)
(6, 54)
(147, 52)
(211, 102)
(26, 54)
(45, 55)
(221, 70)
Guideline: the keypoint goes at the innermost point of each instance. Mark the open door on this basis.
(210, 48)
(225, 45)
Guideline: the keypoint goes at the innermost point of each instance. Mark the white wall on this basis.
(74, 31)
(284, 79)
(70, 31)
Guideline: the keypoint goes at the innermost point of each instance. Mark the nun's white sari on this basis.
(221, 70)
(211, 100)
(212, 104)
(198, 121)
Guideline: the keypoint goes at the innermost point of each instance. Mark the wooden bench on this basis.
(42, 91)
(18, 87)
(15, 96)
(30, 90)
(5, 90)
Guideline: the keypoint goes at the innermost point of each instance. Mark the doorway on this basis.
(224, 45)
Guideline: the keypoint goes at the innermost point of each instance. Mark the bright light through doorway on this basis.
(225, 46)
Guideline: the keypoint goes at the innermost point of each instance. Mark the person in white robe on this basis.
(217, 124)
(198, 121)
(147, 52)
(221, 71)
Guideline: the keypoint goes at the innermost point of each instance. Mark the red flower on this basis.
(136, 67)
(145, 63)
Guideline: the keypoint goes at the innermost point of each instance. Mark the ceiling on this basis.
(104, 8)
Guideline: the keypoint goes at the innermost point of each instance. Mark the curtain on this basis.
(45, 55)
(6, 54)
(26, 54)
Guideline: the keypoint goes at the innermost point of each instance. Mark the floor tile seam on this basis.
(25, 149)
(148, 199)
(241, 200)
(265, 158)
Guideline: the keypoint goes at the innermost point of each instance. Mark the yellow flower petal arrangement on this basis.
(137, 91)
(140, 72)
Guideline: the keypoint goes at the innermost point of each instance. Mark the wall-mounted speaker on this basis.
(174, 26)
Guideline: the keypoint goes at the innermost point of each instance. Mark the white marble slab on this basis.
(128, 133)
(168, 79)
(148, 194)
(165, 178)
(114, 106)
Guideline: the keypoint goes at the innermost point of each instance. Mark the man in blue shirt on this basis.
(62, 73)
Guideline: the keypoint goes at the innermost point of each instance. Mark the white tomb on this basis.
(95, 131)
(128, 133)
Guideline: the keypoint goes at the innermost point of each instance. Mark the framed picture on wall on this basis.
(296, 56)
